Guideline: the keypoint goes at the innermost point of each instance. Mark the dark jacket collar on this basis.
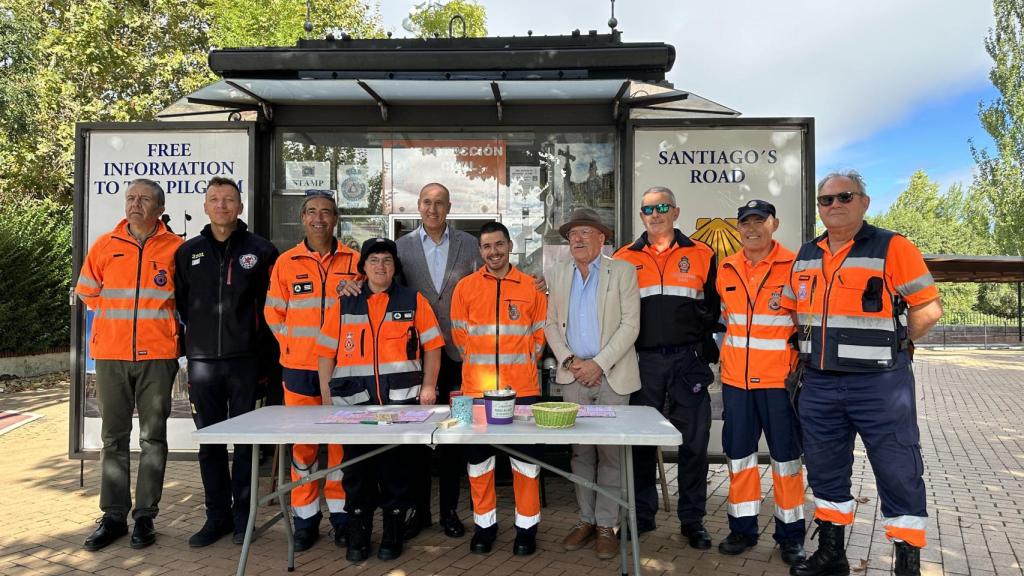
(239, 231)
(866, 231)
(679, 239)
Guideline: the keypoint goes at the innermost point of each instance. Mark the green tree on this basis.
(33, 304)
(432, 19)
(68, 61)
(92, 60)
(237, 23)
(950, 223)
(1000, 176)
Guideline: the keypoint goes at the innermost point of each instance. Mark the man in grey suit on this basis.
(593, 320)
(435, 256)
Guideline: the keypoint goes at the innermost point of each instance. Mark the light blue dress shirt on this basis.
(583, 331)
(436, 255)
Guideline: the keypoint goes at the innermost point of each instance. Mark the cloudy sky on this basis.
(893, 86)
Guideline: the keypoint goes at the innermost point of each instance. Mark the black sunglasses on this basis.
(661, 208)
(843, 197)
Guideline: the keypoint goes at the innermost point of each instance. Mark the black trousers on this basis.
(378, 482)
(676, 377)
(452, 457)
(218, 390)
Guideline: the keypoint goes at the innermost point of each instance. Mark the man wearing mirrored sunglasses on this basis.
(862, 296)
(679, 308)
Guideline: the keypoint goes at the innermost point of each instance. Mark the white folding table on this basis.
(281, 425)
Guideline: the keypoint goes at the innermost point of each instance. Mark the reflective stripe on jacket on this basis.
(678, 302)
(130, 288)
(375, 340)
(852, 307)
(498, 326)
(303, 291)
(756, 352)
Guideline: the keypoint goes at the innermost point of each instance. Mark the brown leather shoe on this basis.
(607, 543)
(579, 536)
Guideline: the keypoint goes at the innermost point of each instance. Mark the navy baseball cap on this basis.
(756, 208)
(378, 245)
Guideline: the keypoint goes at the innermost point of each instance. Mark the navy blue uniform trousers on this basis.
(746, 413)
(881, 408)
(678, 378)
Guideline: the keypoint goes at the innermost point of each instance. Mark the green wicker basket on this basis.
(555, 414)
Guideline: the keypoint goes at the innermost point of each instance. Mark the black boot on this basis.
(908, 560)
(394, 534)
(360, 525)
(830, 558)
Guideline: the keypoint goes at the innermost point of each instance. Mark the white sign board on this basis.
(715, 170)
(182, 162)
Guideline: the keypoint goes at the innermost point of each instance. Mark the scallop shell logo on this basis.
(720, 234)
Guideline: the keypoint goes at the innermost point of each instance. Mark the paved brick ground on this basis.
(971, 406)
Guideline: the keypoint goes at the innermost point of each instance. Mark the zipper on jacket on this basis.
(824, 309)
(750, 321)
(220, 296)
(375, 334)
(497, 334)
(135, 309)
(750, 316)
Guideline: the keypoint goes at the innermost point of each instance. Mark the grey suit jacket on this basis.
(618, 302)
(463, 260)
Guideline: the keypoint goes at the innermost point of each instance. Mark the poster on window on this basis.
(305, 175)
(584, 177)
(472, 170)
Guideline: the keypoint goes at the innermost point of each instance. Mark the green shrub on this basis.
(35, 274)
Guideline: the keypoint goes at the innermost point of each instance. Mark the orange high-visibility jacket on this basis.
(303, 292)
(498, 325)
(131, 289)
(375, 340)
(678, 302)
(756, 352)
(852, 305)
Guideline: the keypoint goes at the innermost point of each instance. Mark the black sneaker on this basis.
(736, 543)
(108, 531)
(212, 531)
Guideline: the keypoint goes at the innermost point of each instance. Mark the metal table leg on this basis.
(254, 497)
(623, 518)
(284, 461)
(631, 497)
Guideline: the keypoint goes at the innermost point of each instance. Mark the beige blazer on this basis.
(618, 312)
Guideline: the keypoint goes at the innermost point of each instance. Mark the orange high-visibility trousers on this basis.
(306, 498)
(525, 485)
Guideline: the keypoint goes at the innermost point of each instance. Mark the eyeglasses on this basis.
(843, 197)
(385, 261)
(583, 233)
(661, 208)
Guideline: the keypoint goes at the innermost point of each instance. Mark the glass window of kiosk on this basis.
(529, 180)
